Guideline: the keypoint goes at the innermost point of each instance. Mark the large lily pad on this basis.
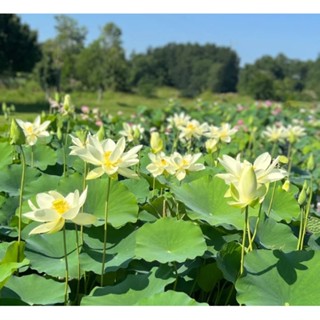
(277, 278)
(130, 291)
(275, 235)
(34, 290)
(10, 178)
(168, 240)
(170, 298)
(205, 199)
(6, 151)
(284, 206)
(43, 156)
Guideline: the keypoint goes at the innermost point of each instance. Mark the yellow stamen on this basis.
(60, 205)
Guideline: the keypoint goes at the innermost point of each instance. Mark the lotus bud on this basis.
(283, 159)
(4, 107)
(286, 186)
(310, 163)
(12, 108)
(16, 134)
(100, 133)
(156, 142)
(67, 103)
(59, 133)
(302, 197)
(211, 145)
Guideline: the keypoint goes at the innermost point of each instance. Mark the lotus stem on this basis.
(106, 213)
(23, 176)
(67, 267)
(244, 240)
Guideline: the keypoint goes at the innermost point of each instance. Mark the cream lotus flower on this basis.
(159, 163)
(193, 129)
(222, 133)
(293, 133)
(211, 145)
(178, 120)
(35, 130)
(55, 209)
(132, 131)
(247, 192)
(273, 134)
(109, 157)
(179, 165)
(264, 168)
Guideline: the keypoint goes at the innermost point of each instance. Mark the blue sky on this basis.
(250, 35)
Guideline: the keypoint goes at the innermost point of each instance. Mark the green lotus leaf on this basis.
(228, 260)
(276, 278)
(208, 277)
(10, 178)
(205, 198)
(139, 187)
(34, 290)
(169, 239)
(131, 290)
(12, 260)
(46, 253)
(43, 156)
(123, 206)
(120, 248)
(274, 235)
(284, 206)
(170, 298)
(12, 302)
(44, 183)
(8, 207)
(6, 151)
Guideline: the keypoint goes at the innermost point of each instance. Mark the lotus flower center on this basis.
(163, 162)
(191, 127)
(60, 205)
(107, 161)
(29, 130)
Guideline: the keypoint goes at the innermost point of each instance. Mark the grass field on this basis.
(30, 101)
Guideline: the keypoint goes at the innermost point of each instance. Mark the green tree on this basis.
(102, 65)
(19, 49)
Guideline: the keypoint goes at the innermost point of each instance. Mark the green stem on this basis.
(229, 295)
(272, 198)
(257, 225)
(79, 267)
(306, 216)
(32, 156)
(106, 212)
(243, 240)
(289, 156)
(153, 186)
(23, 177)
(300, 228)
(176, 273)
(67, 267)
(249, 236)
(65, 167)
(273, 151)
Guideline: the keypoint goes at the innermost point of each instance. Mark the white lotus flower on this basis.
(159, 163)
(109, 157)
(54, 210)
(193, 129)
(293, 133)
(274, 134)
(222, 133)
(247, 192)
(264, 168)
(35, 130)
(178, 120)
(179, 165)
(132, 131)
(156, 142)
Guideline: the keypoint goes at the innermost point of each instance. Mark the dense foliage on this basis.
(168, 214)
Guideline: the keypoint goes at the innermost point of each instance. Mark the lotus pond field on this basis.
(217, 204)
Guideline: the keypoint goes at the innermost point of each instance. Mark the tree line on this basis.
(66, 63)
